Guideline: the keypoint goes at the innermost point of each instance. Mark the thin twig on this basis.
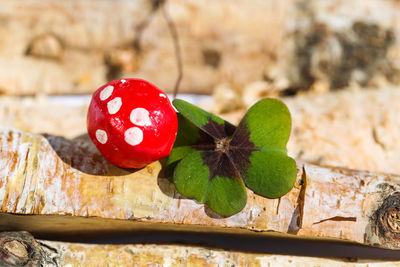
(141, 27)
(178, 55)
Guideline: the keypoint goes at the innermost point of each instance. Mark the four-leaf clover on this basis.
(212, 160)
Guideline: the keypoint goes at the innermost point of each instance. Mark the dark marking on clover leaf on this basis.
(218, 130)
(219, 164)
(228, 157)
(241, 149)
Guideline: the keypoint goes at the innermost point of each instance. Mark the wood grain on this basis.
(67, 187)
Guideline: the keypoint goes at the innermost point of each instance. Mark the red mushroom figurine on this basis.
(132, 122)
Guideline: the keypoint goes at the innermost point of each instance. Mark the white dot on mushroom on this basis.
(140, 117)
(106, 92)
(101, 136)
(133, 136)
(114, 105)
(123, 81)
(162, 95)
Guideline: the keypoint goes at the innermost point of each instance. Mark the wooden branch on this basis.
(177, 48)
(357, 130)
(48, 175)
(21, 249)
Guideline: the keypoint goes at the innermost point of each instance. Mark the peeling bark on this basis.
(297, 217)
(338, 219)
(94, 196)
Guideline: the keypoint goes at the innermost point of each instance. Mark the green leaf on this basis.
(188, 134)
(191, 177)
(176, 155)
(206, 182)
(258, 149)
(209, 123)
(226, 196)
(270, 173)
(179, 153)
(269, 124)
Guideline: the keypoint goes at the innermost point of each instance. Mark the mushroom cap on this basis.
(132, 122)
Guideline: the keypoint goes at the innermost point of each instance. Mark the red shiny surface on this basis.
(158, 136)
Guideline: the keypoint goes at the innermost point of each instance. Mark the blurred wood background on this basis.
(66, 47)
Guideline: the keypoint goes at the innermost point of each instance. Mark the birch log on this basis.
(67, 187)
(22, 248)
(358, 130)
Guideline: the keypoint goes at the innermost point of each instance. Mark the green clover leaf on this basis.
(212, 160)
(188, 135)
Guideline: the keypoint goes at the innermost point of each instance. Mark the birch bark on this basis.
(69, 180)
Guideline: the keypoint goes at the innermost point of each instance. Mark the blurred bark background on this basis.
(284, 47)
